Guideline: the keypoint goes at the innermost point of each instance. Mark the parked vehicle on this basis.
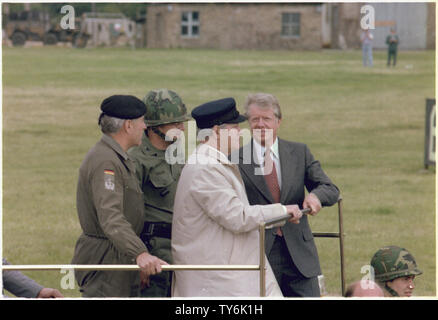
(34, 25)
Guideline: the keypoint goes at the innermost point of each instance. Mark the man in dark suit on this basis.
(24, 287)
(282, 175)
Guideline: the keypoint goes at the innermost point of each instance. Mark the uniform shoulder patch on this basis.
(109, 179)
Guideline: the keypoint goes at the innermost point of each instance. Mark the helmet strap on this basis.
(158, 133)
(390, 290)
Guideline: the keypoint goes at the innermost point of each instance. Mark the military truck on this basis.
(35, 25)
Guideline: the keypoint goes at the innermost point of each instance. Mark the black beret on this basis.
(123, 107)
(217, 112)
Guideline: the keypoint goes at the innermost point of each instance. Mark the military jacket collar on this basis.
(113, 144)
(149, 148)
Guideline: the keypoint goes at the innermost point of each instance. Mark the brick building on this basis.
(234, 26)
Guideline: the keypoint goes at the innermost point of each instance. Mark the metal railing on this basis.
(340, 234)
(261, 267)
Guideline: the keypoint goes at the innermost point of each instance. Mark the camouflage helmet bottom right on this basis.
(393, 262)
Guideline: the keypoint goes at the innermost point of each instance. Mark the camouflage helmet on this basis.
(164, 106)
(393, 262)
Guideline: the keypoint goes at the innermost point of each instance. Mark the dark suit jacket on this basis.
(20, 285)
(298, 170)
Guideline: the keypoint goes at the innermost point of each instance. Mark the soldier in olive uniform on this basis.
(158, 177)
(395, 270)
(110, 205)
(392, 41)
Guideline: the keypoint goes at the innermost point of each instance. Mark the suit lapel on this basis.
(288, 165)
(250, 169)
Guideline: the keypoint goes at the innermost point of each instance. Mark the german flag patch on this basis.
(109, 179)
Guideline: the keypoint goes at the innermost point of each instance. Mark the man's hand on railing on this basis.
(295, 213)
(49, 293)
(149, 265)
(311, 201)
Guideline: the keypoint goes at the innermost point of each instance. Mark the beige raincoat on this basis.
(213, 223)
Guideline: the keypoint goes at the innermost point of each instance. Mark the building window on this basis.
(290, 24)
(190, 24)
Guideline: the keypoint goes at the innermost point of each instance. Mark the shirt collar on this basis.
(260, 150)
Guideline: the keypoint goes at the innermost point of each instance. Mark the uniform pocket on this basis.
(161, 176)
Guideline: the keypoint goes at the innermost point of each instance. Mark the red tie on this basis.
(272, 179)
(272, 182)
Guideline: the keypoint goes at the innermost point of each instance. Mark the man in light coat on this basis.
(213, 222)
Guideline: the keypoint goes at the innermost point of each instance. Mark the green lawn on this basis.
(365, 125)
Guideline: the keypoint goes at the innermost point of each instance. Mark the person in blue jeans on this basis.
(367, 48)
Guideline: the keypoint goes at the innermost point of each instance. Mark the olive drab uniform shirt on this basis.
(110, 210)
(158, 180)
(392, 46)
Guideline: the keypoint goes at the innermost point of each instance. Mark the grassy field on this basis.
(365, 125)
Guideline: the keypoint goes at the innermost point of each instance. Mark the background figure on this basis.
(22, 286)
(166, 114)
(110, 205)
(213, 223)
(395, 270)
(367, 48)
(364, 288)
(291, 249)
(392, 41)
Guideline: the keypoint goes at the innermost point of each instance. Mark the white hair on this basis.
(109, 124)
(265, 101)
